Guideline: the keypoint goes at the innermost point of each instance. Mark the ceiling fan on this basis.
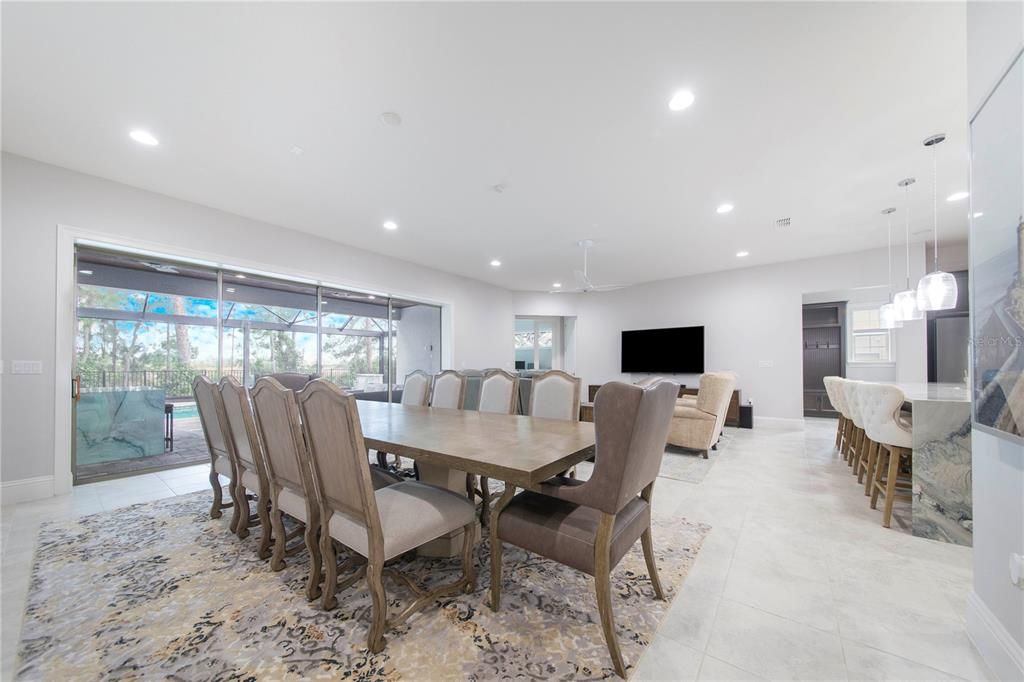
(583, 283)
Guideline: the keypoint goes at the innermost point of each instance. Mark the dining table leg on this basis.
(450, 544)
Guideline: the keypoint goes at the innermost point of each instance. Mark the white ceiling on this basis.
(806, 110)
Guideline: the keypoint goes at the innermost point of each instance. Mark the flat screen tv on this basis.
(675, 350)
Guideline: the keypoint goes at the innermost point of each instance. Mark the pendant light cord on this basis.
(935, 206)
(888, 223)
(906, 190)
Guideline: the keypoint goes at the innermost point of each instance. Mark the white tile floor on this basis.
(797, 579)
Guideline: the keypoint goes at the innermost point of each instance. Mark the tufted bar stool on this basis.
(889, 469)
(851, 391)
(843, 406)
(832, 389)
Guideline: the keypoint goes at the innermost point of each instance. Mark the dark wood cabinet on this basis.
(824, 349)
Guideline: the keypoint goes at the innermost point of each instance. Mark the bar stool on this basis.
(851, 390)
(844, 409)
(889, 471)
(832, 390)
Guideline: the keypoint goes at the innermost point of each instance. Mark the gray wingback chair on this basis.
(590, 525)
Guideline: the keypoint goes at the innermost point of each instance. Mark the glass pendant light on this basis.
(906, 301)
(937, 290)
(887, 313)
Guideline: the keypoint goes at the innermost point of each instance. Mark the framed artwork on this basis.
(997, 258)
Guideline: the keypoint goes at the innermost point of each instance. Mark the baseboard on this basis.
(778, 421)
(26, 489)
(998, 649)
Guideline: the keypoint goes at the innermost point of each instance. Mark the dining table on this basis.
(447, 444)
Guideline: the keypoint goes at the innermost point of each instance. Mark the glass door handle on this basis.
(76, 387)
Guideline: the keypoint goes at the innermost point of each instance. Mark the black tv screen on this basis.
(675, 350)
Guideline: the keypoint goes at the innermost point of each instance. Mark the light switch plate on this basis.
(26, 367)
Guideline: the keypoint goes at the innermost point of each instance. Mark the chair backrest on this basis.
(631, 425)
(649, 381)
(555, 395)
(449, 390)
(416, 390)
(715, 392)
(293, 381)
(851, 390)
(242, 426)
(880, 407)
(280, 432)
(836, 393)
(499, 392)
(337, 453)
(212, 418)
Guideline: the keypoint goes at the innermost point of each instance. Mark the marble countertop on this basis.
(955, 393)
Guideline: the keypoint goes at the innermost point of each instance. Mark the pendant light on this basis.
(887, 313)
(906, 300)
(937, 290)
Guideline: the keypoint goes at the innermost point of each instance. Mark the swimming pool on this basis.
(185, 410)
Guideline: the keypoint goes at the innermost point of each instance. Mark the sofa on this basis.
(698, 420)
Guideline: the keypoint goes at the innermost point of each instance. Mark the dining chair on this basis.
(838, 399)
(415, 392)
(889, 467)
(499, 394)
(293, 381)
(831, 384)
(590, 525)
(449, 390)
(379, 525)
(218, 443)
(850, 391)
(251, 463)
(555, 395)
(291, 486)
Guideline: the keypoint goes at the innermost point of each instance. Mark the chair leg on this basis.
(705, 454)
(277, 524)
(839, 432)
(881, 464)
(503, 501)
(241, 513)
(315, 562)
(375, 579)
(218, 494)
(468, 567)
(890, 486)
(652, 567)
(867, 463)
(382, 460)
(330, 560)
(266, 532)
(485, 496)
(603, 584)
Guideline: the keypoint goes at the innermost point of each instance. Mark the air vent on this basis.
(783, 222)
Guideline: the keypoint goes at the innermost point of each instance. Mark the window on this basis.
(869, 342)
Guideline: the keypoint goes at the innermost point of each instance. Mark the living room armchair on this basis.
(697, 422)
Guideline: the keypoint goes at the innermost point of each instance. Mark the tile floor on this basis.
(797, 579)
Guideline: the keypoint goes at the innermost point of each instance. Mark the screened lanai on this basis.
(147, 327)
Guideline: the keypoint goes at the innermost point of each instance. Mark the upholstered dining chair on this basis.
(291, 485)
(831, 383)
(838, 399)
(218, 443)
(449, 390)
(378, 525)
(858, 442)
(250, 462)
(415, 392)
(555, 394)
(293, 381)
(697, 422)
(499, 394)
(590, 525)
(889, 461)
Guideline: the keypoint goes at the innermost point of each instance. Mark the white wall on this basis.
(751, 316)
(419, 341)
(995, 612)
(38, 196)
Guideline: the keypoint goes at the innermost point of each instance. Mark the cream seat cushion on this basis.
(292, 504)
(691, 412)
(411, 514)
(222, 465)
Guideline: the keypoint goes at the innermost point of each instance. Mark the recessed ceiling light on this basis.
(240, 276)
(230, 290)
(742, 254)
(297, 150)
(495, 263)
(681, 100)
(371, 297)
(391, 118)
(85, 272)
(978, 214)
(958, 196)
(144, 137)
(390, 225)
(557, 285)
(724, 208)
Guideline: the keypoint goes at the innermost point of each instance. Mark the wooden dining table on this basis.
(448, 444)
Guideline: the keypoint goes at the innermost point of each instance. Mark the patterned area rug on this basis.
(160, 590)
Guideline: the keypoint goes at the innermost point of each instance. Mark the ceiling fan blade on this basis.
(607, 287)
(566, 291)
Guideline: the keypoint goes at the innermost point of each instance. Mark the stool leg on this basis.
(868, 469)
(890, 486)
(839, 432)
(881, 462)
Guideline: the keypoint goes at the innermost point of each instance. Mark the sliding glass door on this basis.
(146, 327)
